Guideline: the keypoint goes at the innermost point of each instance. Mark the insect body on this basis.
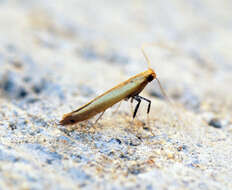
(125, 90)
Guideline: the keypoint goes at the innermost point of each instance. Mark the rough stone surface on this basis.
(57, 55)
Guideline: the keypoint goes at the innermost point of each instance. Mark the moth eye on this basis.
(150, 78)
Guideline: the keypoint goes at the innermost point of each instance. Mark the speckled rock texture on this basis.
(57, 55)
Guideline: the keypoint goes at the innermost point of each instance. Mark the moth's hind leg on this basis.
(117, 108)
(90, 125)
(99, 117)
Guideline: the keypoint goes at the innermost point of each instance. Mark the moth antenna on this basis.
(173, 106)
(174, 50)
(146, 57)
(160, 45)
(162, 90)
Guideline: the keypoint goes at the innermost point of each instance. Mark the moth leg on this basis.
(99, 117)
(149, 103)
(131, 106)
(148, 110)
(118, 106)
(137, 98)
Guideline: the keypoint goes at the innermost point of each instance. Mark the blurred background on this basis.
(57, 48)
(57, 55)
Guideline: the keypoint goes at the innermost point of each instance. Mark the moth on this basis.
(128, 89)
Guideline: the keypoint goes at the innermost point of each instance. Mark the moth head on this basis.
(151, 75)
